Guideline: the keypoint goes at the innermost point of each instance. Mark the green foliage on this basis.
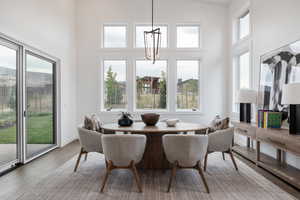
(113, 89)
(163, 91)
(40, 129)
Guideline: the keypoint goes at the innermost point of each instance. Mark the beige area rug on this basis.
(224, 182)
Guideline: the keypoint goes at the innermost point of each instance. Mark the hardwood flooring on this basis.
(22, 182)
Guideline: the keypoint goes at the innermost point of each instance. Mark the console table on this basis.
(280, 139)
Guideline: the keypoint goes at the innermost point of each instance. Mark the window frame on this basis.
(135, 109)
(115, 25)
(155, 25)
(102, 84)
(199, 36)
(199, 86)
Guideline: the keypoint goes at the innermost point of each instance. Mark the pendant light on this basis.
(152, 40)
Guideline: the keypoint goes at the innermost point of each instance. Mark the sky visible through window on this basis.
(188, 37)
(244, 25)
(244, 70)
(115, 36)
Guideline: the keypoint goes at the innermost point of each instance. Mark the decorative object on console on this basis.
(150, 119)
(246, 97)
(125, 119)
(279, 67)
(269, 119)
(291, 96)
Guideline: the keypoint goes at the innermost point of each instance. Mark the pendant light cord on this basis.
(152, 15)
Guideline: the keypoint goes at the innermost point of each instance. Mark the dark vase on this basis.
(125, 121)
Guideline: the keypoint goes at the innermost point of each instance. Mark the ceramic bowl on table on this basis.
(171, 122)
(150, 119)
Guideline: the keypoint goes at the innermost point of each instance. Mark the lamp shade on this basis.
(246, 96)
(291, 94)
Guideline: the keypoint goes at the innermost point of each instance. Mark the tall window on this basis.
(188, 36)
(244, 25)
(115, 36)
(188, 84)
(242, 75)
(139, 35)
(151, 84)
(115, 84)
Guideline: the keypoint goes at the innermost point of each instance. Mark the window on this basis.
(188, 36)
(139, 35)
(115, 36)
(188, 84)
(115, 84)
(244, 25)
(244, 65)
(242, 75)
(151, 84)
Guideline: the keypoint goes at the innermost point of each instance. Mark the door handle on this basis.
(25, 113)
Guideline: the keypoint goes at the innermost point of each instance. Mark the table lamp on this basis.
(291, 96)
(245, 97)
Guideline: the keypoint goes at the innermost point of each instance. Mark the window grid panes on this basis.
(188, 36)
(115, 96)
(115, 36)
(244, 25)
(139, 35)
(151, 85)
(188, 84)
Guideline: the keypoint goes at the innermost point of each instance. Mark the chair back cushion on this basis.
(186, 149)
(122, 149)
(90, 140)
(220, 140)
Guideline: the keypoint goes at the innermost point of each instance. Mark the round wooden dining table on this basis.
(154, 157)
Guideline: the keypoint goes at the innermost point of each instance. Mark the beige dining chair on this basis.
(90, 141)
(185, 151)
(123, 152)
(221, 141)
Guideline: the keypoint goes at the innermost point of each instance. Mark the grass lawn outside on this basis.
(39, 128)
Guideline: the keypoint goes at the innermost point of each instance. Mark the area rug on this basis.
(224, 181)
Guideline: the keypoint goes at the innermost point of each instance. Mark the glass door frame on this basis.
(21, 101)
(18, 48)
(50, 59)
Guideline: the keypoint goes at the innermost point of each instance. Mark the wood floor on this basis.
(24, 178)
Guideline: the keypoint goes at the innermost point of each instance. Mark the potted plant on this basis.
(125, 119)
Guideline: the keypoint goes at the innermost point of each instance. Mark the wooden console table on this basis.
(281, 140)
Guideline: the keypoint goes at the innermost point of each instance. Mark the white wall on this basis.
(275, 24)
(50, 27)
(212, 18)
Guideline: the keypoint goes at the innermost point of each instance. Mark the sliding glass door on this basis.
(8, 102)
(28, 125)
(40, 104)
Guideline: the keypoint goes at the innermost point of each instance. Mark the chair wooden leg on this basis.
(223, 154)
(205, 161)
(233, 160)
(136, 176)
(85, 158)
(78, 159)
(173, 174)
(202, 177)
(108, 169)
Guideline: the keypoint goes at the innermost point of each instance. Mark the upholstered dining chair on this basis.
(90, 141)
(123, 152)
(185, 151)
(220, 141)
